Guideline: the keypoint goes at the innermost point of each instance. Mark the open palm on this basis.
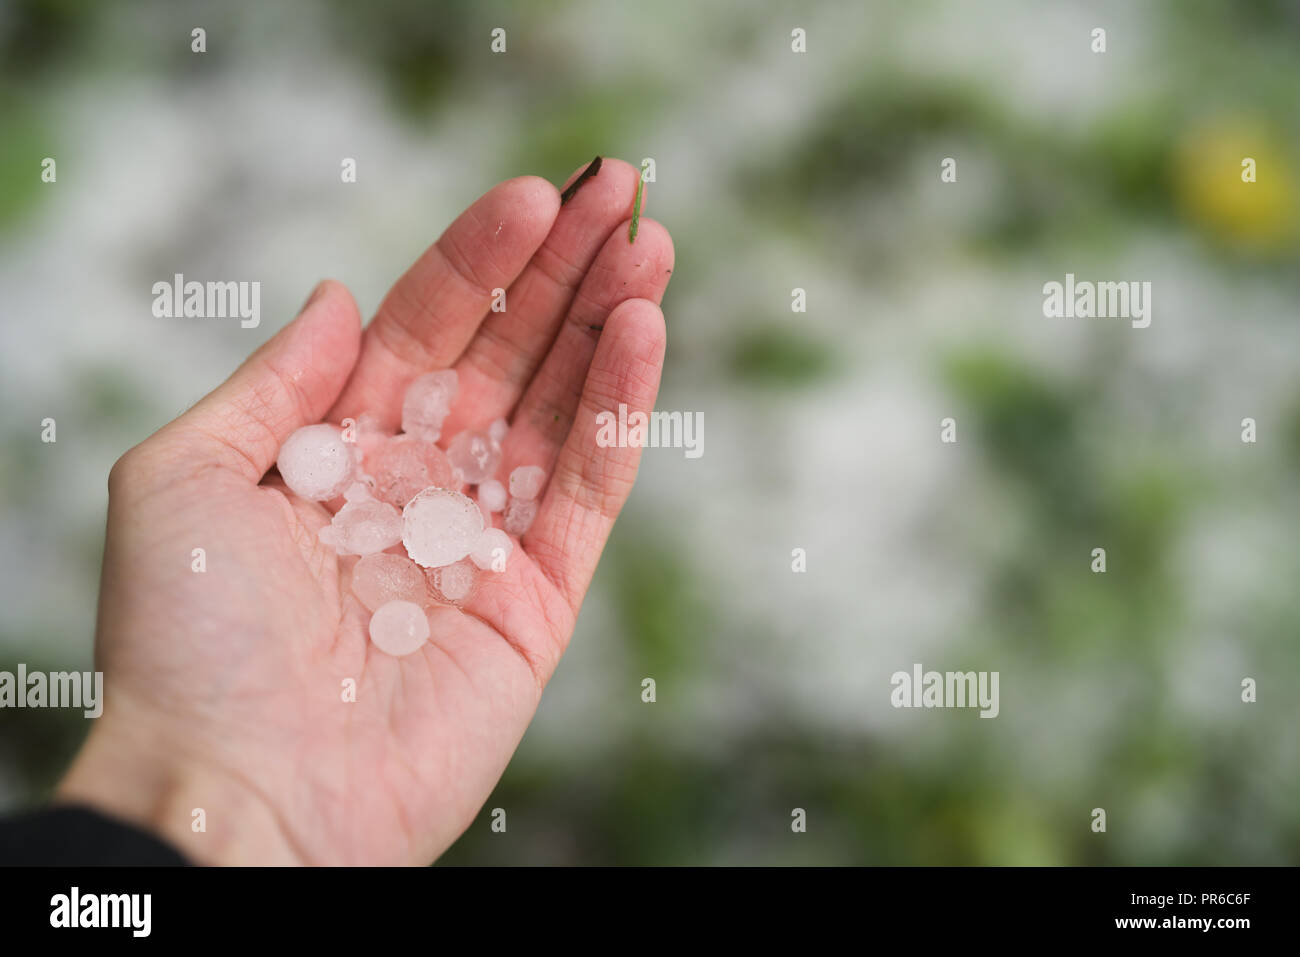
(247, 696)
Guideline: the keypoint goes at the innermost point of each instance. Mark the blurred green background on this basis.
(774, 170)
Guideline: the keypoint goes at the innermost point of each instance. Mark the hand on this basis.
(224, 689)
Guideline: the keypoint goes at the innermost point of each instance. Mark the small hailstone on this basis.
(453, 583)
(427, 403)
(527, 481)
(440, 526)
(399, 628)
(492, 495)
(520, 514)
(492, 550)
(380, 578)
(363, 525)
(474, 456)
(497, 430)
(316, 463)
(404, 465)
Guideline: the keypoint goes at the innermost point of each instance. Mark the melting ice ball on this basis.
(491, 550)
(455, 582)
(519, 515)
(399, 628)
(474, 456)
(492, 495)
(364, 525)
(527, 481)
(440, 526)
(380, 578)
(428, 402)
(405, 465)
(316, 463)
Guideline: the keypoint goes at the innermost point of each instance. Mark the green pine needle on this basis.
(636, 208)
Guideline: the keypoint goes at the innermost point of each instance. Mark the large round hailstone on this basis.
(440, 526)
(316, 463)
(399, 628)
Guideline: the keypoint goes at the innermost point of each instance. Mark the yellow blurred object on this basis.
(1210, 189)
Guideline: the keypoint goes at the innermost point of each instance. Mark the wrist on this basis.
(205, 812)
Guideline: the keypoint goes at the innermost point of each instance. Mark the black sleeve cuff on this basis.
(78, 837)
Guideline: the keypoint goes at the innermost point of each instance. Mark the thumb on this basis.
(291, 381)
